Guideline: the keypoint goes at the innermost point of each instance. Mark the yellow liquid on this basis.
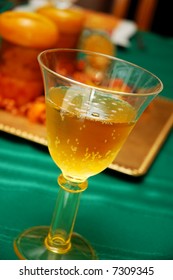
(85, 131)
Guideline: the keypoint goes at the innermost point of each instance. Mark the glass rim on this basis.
(111, 91)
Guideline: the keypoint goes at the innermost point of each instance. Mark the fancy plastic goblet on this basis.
(92, 103)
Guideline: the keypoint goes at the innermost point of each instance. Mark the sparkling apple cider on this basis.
(85, 130)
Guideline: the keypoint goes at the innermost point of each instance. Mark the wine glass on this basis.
(92, 103)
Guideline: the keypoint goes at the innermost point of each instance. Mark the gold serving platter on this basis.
(138, 152)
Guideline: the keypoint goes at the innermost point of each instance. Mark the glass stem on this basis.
(59, 236)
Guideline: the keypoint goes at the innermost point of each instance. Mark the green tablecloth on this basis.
(122, 217)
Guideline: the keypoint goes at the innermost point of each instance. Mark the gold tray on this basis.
(137, 153)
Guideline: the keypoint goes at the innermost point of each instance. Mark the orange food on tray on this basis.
(102, 21)
(28, 29)
(36, 112)
(98, 42)
(70, 23)
(24, 36)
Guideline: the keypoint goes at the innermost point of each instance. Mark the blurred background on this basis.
(161, 15)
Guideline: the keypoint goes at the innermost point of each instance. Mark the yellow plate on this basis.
(138, 152)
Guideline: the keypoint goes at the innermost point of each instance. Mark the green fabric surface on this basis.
(122, 217)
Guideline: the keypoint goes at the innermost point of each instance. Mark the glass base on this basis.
(30, 245)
